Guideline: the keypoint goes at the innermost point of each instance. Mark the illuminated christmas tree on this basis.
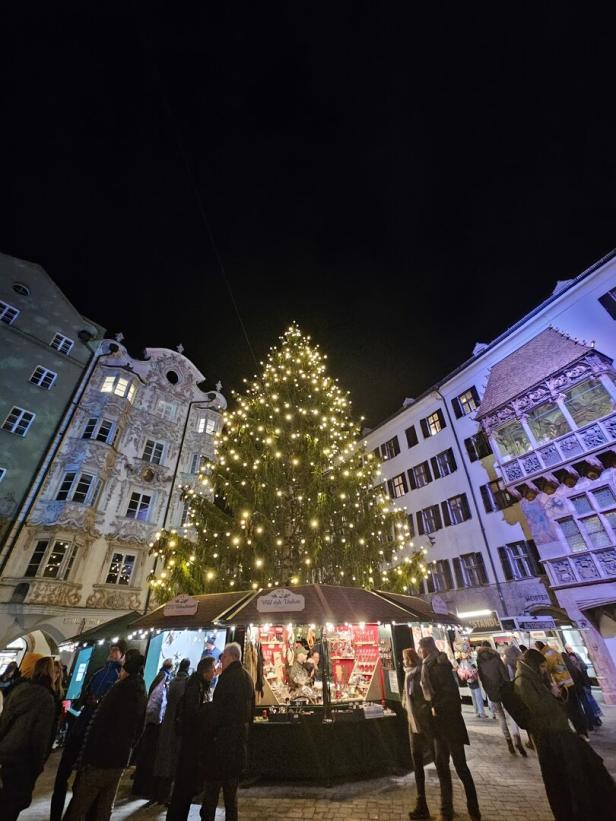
(291, 497)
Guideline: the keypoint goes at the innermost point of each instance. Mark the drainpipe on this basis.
(499, 589)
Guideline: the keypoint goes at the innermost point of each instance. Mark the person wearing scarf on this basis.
(421, 735)
(440, 690)
(577, 784)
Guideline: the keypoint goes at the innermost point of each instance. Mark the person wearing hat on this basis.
(111, 736)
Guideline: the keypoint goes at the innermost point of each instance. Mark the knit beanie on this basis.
(134, 663)
(28, 663)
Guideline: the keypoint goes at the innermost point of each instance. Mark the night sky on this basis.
(401, 179)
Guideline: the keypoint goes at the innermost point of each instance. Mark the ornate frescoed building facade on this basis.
(138, 433)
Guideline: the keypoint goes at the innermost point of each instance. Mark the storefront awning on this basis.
(212, 608)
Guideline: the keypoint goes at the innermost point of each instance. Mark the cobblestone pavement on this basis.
(509, 787)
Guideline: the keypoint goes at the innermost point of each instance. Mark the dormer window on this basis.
(547, 422)
(588, 401)
(120, 386)
(512, 440)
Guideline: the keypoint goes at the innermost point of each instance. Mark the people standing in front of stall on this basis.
(421, 730)
(234, 704)
(563, 685)
(493, 675)
(168, 742)
(441, 691)
(143, 783)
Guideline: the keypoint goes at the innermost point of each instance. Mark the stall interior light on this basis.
(471, 614)
(115, 639)
(101, 641)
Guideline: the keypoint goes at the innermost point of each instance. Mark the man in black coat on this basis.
(441, 691)
(233, 710)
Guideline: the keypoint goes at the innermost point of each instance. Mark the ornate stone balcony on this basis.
(587, 566)
(114, 597)
(53, 592)
(571, 447)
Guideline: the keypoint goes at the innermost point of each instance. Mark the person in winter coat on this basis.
(493, 675)
(563, 683)
(578, 786)
(98, 685)
(195, 728)
(421, 729)
(143, 783)
(589, 703)
(441, 691)
(109, 740)
(26, 729)
(168, 741)
(233, 709)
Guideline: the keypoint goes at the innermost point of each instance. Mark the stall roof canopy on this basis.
(418, 609)
(109, 629)
(212, 607)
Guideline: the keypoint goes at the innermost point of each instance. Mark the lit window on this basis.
(588, 401)
(466, 402)
(572, 534)
(153, 451)
(56, 560)
(595, 531)
(101, 430)
(75, 487)
(444, 463)
(18, 421)
(108, 383)
(206, 424)
(432, 424)
(390, 448)
(121, 386)
(62, 343)
(459, 510)
(8, 314)
(166, 409)
(121, 569)
(43, 377)
(421, 475)
(118, 385)
(131, 393)
(547, 422)
(139, 506)
(512, 440)
(397, 486)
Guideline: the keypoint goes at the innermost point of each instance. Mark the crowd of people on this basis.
(545, 692)
(186, 736)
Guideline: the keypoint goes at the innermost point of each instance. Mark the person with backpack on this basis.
(578, 786)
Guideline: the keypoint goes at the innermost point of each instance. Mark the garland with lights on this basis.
(291, 497)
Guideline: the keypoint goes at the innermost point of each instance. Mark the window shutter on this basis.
(475, 395)
(436, 472)
(447, 573)
(487, 499)
(411, 436)
(428, 473)
(481, 568)
(441, 418)
(504, 557)
(412, 482)
(420, 523)
(470, 449)
(396, 445)
(424, 428)
(484, 447)
(455, 404)
(446, 516)
(377, 454)
(390, 488)
(437, 516)
(457, 569)
(609, 303)
(452, 460)
(411, 524)
(404, 483)
(465, 508)
(430, 582)
(534, 559)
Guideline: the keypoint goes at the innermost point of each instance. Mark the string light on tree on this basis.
(290, 496)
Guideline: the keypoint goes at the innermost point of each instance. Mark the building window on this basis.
(429, 520)
(207, 424)
(520, 560)
(592, 525)
(56, 558)
(470, 570)
(184, 517)
(8, 314)
(62, 343)
(139, 506)
(595, 531)
(495, 496)
(121, 568)
(465, 403)
(604, 497)
(547, 422)
(512, 440)
(456, 510)
(608, 300)
(166, 409)
(390, 448)
(572, 534)
(433, 424)
(439, 578)
(197, 462)
(120, 386)
(478, 446)
(101, 430)
(43, 377)
(397, 486)
(588, 401)
(153, 452)
(443, 464)
(581, 504)
(420, 475)
(18, 421)
(78, 487)
(411, 436)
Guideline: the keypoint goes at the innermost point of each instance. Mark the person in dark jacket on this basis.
(233, 710)
(113, 732)
(578, 786)
(195, 728)
(26, 729)
(441, 691)
(98, 685)
(421, 730)
(168, 741)
(493, 675)
(144, 783)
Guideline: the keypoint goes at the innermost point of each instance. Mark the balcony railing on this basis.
(569, 448)
(582, 568)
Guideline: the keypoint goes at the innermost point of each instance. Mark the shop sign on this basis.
(280, 601)
(528, 623)
(439, 605)
(182, 605)
(483, 623)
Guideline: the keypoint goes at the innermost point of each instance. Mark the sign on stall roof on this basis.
(439, 605)
(280, 601)
(182, 605)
